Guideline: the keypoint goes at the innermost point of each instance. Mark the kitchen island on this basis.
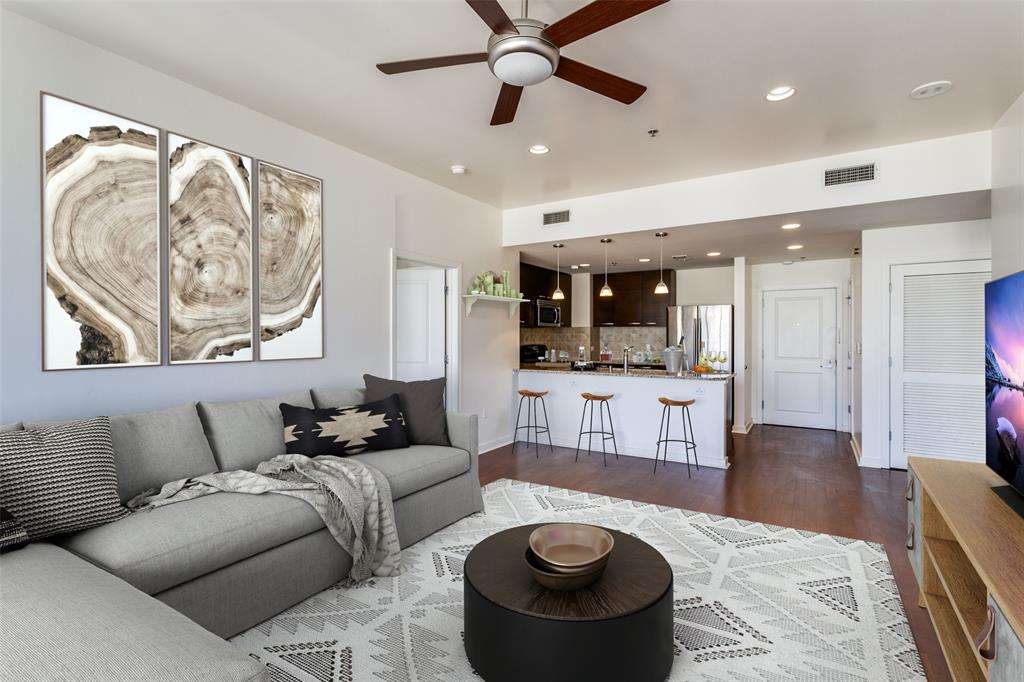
(636, 412)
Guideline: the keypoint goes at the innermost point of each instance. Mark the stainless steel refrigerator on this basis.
(704, 330)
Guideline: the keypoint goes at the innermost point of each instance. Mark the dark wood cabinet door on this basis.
(602, 309)
(627, 292)
(539, 283)
(654, 305)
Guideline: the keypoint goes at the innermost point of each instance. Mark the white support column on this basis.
(742, 399)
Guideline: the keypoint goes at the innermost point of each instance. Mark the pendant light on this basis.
(661, 287)
(558, 295)
(606, 290)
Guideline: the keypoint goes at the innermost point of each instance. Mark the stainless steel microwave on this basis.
(549, 314)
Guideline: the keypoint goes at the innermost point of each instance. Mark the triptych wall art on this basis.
(243, 243)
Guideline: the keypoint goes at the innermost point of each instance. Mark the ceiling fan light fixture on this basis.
(524, 58)
(522, 68)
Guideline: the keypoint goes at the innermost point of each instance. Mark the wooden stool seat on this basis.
(527, 393)
(676, 403)
(592, 396)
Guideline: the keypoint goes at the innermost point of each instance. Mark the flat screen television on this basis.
(1004, 384)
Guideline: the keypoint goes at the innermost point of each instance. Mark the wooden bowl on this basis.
(561, 581)
(571, 548)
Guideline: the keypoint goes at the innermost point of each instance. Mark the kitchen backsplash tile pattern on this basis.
(615, 338)
(562, 338)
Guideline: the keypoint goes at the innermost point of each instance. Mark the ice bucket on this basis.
(673, 358)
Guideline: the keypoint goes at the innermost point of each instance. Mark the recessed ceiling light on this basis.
(644, 260)
(539, 149)
(458, 169)
(584, 265)
(714, 253)
(929, 90)
(574, 267)
(794, 247)
(790, 226)
(679, 256)
(787, 262)
(780, 93)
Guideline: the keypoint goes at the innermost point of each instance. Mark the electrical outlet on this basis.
(700, 390)
(483, 413)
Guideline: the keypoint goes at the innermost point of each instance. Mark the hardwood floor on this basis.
(801, 478)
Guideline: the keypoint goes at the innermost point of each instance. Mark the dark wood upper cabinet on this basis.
(654, 305)
(539, 283)
(627, 292)
(602, 309)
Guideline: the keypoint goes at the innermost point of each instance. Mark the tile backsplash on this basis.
(571, 338)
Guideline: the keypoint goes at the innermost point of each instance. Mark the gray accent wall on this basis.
(367, 206)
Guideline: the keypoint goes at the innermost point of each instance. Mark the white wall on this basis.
(881, 250)
(704, 286)
(800, 275)
(581, 294)
(947, 165)
(855, 352)
(369, 208)
(1008, 192)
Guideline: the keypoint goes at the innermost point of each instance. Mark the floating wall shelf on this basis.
(513, 303)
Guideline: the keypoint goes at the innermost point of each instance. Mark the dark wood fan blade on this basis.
(493, 15)
(595, 17)
(431, 63)
(601, 82)
(508, 102)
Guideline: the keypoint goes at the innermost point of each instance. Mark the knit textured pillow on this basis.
(12, 533)
(61, 478)
(342, 431)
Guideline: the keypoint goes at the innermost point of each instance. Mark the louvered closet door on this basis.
(937, 346)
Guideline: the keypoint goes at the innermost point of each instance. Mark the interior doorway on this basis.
(425, 326)
(800, 347)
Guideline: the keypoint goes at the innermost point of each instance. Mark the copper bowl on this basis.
(561, 581)
(571, 548)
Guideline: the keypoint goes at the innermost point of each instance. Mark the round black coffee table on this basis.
(619, 628)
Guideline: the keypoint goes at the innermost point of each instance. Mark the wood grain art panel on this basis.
(290, 240)
(210, 259)
(100, 239)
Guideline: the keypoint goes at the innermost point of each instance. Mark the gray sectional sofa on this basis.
(226, 561)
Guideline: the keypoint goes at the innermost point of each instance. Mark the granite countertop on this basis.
(639, 373)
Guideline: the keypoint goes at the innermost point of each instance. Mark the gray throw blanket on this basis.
(353, 499)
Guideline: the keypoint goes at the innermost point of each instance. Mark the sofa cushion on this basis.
(338, 397)
(16, 426)
(343, 431)
(166, 546)
(417, 467)
(153, 448)
(60, 479)
(422, 405)
(65, 619)
(245, 433)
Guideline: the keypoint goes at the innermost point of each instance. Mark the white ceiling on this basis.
(828, 233)
(707, 66)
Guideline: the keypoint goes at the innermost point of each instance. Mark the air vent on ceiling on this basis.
(556, 217)
(844, 176)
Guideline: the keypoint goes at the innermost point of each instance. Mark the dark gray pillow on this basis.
(422, 405)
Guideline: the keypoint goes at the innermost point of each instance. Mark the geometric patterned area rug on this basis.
(752, 601)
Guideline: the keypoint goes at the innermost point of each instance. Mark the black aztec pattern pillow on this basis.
(61, 478)
(12, 533)
(342, 431)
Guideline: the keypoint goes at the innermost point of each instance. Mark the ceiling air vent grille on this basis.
(844, 176)
(556, 217)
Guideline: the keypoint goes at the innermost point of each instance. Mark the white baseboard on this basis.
(743, 429)
(494, 444)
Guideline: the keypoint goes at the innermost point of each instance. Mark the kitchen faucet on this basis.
(625, 358)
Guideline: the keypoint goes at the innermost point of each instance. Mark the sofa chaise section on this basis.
(63, 619)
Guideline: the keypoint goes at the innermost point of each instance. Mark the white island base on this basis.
(636, 412)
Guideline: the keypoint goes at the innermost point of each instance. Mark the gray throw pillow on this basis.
(60, 479)
(422, 406)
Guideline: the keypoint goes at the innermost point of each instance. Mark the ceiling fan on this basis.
(525, 51)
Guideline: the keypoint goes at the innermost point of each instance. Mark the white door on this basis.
(937, 361)
(420, 324)
(800, 353)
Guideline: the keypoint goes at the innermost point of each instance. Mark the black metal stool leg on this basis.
(590, 433)
(579, 439)
(686, 439)
(515, 434)
(547, 425)
(611, 428)
(604, 448)
(693, 439)
(661, 427)
(536, 428)
(668, 435)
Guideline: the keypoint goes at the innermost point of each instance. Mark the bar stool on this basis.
(531, 398)
(687, 439)
(590, 399)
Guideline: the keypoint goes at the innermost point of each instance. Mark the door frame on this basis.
(453, 320)
(843, 387)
